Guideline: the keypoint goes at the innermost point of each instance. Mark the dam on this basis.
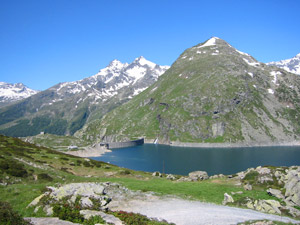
(126, 144)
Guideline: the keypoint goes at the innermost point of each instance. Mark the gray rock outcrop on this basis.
(198, 175)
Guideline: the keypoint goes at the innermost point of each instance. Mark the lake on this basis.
(182, 160)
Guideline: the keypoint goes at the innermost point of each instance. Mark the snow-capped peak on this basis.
(14, 92)
(144, 62)
(291, 65)
(209, 42)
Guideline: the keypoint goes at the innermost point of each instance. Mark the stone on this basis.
(171, 177)
(294, 212)
(241, 175)
(36, 201)
(292, 187)
(276, 193)
(198, 175)
(48, 210)
(156, 174)
(110, 219)
(93, 190)
(265, 179)
(263, 170)
(227, 199)
(184, 179)
(268, 206)
(86, 202)
(247, 187)
(237, 193)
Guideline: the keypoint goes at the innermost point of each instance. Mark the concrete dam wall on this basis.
(126, 144)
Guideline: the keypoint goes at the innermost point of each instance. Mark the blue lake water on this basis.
(182, 160)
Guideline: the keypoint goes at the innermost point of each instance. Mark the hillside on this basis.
(66, 107)
(211, 93)
(40, 182)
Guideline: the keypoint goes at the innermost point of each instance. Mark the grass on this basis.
(52, 168)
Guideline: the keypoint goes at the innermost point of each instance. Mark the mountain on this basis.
(14, 92)
(66, 107)
(291, 65)
(212, 93)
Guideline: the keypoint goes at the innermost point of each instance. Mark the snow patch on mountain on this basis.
(14, 92)
(291, 65)
(210, 42)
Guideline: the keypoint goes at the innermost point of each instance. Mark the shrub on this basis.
(44, 176)
(94, 220)
(9, 216)
(125, 172)
(251, 176)
(137, 219)
(66, 212)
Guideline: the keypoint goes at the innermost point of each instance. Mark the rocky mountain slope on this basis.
(66, 107)
(291, 65)
(14, 92)
(211, 93)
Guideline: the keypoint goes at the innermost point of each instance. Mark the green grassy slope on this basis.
(210, 94)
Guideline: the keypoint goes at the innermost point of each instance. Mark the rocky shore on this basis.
(225, 145)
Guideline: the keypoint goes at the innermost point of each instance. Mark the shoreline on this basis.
(226, 145)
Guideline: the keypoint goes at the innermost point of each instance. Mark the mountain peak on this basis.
(115, 63)
(291, 65)
(142, 61)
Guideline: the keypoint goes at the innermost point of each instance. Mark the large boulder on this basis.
(292, 186)
(268, 206)
(276, 193)
(198, 175)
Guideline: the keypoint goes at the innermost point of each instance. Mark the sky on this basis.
(45, 42)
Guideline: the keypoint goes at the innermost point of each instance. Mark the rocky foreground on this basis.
(100, 199)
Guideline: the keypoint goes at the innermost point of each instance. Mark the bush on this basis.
(66, 212)
(9, 216)
(44, 176)
(137, 219)
(13, 168)
(251, 176)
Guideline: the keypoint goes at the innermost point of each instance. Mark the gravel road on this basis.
(183, 212)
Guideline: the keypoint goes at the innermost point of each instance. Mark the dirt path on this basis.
(183, 212)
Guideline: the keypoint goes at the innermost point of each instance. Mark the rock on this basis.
(198, 175)
(36, 209)
(227, 199)
(86, 202)
(93, 190)
(265, 179)
(184, 179)
(108, 218)
(36, 201)
(263, 170)
(276, 193)
(49, 221)
(241, 175)
(294, 212)
(268, 206)
(171, 177)
(292, 186)
(238, 192)
(156, 174)
(48, 210)
(218, 129)
(247, 187)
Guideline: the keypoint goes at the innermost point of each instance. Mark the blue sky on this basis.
(44, 42)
